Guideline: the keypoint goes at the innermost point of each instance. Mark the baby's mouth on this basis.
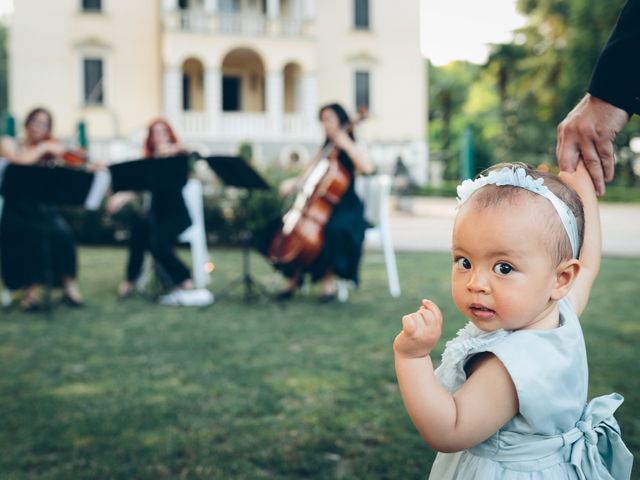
(480, 311)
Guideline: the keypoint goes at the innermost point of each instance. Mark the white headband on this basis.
(517, 177)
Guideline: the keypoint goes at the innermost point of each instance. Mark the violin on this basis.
(75, 157)
(301, 238)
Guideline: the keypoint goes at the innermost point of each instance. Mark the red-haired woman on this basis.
(158, 229)
(26, 259)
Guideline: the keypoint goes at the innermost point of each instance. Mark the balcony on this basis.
(236, 23)
(238, 126)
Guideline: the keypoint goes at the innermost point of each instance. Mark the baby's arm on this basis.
(449, 423)
(591, 250)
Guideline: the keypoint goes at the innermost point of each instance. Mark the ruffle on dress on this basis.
(468, 341)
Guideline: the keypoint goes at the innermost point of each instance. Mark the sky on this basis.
(451, 29)
(6, 6)
(463, 29)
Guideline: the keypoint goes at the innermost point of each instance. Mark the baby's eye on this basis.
(502, 268)
(463, 263)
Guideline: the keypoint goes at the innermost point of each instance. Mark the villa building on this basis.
(224, 72)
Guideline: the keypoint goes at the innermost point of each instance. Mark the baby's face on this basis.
(502, 273)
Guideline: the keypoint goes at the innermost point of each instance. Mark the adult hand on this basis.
(169, 149)
(117, 201)
(587, 133)
(421, 331)
(341, 139)
(52, 147)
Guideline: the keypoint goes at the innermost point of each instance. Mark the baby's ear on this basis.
(566, 274)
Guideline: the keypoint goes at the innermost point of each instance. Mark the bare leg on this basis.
(292, 284)
(32, 298)
(328, 284)
(72, 292)
(125, 289)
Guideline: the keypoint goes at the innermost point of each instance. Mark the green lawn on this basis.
(249, 390)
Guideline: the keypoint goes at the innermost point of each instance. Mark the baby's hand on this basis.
(580, 181)
(421, 331)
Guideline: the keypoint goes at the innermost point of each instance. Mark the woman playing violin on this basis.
(344, 232)
(22, 252)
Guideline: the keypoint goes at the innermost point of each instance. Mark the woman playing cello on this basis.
(344, 232)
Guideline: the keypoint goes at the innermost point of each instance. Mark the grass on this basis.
(249, 389)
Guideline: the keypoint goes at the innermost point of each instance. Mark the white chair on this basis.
(374, 191)
(195, 235)
(5, 294)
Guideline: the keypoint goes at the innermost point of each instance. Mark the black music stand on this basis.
(49, 186)
(235, 172)
(150, 174)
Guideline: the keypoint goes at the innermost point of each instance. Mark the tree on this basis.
(448, 90)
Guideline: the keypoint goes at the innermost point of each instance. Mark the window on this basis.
(361, 14)
(91, 5)
(186, 92)
(363, 81)
(231, 88)
(93, 81)
(231, 6)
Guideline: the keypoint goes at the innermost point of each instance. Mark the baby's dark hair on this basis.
(560, 245)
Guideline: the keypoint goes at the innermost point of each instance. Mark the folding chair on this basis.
(195, 235)
(5, 294)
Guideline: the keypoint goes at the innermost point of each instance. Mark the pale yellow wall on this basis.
(390, 50)
(47, 40)
(211, 50)
(45, 62)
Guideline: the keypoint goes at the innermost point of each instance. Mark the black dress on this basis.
(36, 245)
(156, 232)
(343, 237)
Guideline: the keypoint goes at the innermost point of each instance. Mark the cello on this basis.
(301, 238)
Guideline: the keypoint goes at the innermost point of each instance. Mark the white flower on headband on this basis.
(516, 177)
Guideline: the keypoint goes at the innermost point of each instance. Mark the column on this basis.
(213, 98)
(273, 9)
(310, 102)
(211, 6)
(173, 93)
(308, 9)
(170, 5)
(275, 100)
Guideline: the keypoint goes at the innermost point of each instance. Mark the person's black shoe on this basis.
(285, 295)
(72, 302)
(328, 297)
(30, 307)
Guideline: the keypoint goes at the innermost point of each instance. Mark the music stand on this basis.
(152, 174)
(235, 172)
(52, 186)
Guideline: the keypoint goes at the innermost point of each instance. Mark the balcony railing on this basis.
(231, 23)
(246, 126)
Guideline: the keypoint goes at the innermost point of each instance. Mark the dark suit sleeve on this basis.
(616, 78)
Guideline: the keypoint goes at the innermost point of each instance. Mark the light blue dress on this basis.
(556, 434)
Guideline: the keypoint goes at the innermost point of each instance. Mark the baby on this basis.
(509, 400)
